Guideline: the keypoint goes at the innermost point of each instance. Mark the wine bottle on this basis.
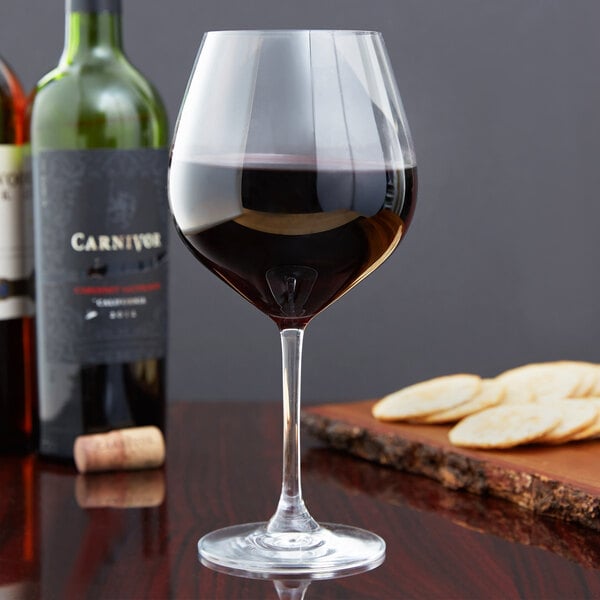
(17, 355)
(98, 140)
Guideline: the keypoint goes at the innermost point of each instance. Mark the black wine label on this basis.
(101, 228)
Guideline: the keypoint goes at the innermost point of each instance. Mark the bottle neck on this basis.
(93, 28)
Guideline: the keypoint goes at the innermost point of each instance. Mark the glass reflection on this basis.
(289, 587)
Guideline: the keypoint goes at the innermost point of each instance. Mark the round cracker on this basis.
(490, 394)
(546, 381)
(589, 378)
(593, 429)
(577, 414)
(595, 391)
(504, 426)
(427, 397)
(516, 394)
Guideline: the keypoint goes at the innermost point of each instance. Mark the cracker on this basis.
(427, 397)
(516, 394)
(589, 377)
(577, 414)
(595, 391)
(593, 429)
(546, 381)
(490, 394)
(505, 426)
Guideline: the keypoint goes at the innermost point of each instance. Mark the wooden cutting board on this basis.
(557, 481)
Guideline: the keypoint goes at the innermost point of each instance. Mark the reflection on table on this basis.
(134, 535)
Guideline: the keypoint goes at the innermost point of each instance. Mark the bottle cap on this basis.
(94, 6)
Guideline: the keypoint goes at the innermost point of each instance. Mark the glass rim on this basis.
(366, 32)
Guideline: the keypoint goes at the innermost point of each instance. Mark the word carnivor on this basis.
(82, 242)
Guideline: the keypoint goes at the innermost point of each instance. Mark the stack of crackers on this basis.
(545, 403)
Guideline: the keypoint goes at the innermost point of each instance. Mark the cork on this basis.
(126, 489)
(120, 450)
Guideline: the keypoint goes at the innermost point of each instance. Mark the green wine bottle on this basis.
(98, 140)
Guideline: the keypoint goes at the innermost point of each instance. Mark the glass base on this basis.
(330, 551)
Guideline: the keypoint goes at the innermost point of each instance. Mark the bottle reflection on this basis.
(101, 524)
(19, 529)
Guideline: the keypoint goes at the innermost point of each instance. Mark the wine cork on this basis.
(121, 449)
(133, 489)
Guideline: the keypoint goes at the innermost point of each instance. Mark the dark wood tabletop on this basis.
(134, 535)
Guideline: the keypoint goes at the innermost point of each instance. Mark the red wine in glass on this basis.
(298, 237)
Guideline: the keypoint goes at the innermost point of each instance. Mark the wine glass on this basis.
(292, 177)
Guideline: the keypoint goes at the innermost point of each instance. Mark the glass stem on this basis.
(291, 514)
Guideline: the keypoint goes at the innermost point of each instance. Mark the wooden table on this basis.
(124, 536)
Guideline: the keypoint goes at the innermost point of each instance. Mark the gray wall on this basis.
(500, 266)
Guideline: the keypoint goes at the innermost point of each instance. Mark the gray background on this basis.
(500, 265)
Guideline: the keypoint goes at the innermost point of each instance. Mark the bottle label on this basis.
(16, 231)
(101, 223)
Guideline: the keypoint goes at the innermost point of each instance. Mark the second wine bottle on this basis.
(98, 139)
